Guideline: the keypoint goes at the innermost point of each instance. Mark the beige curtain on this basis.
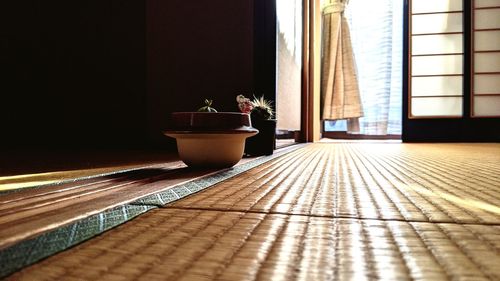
(339, 85)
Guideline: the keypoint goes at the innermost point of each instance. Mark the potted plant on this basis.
(208, 138)
(261, 113)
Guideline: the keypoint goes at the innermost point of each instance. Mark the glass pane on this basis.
(487, 40)
(431, 6)
(484, 19)
(437, 44)
(487, 3)
(487, 62)
(487, 106)
(445, 106)
(336, 126)
(437, 23)
(434, 86)
(437, 65)
(487, 84)
(289, 64)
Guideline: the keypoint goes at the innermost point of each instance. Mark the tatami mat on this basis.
(30, 212)
(323, 212)
(172, 244)
(37, 248)
(39, 222)
(369, 181)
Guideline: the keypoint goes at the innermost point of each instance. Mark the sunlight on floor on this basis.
(466, 203)
(57, 177)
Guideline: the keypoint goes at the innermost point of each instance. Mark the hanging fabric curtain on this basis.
(339, 85)
(376, 28)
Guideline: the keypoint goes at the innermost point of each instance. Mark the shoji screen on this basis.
(436, 58)
(486, 58)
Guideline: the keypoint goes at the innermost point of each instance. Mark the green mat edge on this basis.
(35, 249)
(32, 250)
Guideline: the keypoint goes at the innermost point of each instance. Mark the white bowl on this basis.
(211, 150)
(211, 139)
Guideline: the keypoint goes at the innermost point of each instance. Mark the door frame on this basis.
(265, 61)
(310, 115)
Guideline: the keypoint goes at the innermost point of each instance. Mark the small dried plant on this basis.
(208, 107)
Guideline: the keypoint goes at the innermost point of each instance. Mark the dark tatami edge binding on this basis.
(32, 250)
(180, 191)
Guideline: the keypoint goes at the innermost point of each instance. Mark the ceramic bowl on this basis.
(211, 139)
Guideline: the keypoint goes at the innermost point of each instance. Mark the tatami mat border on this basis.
(30, 251)
(35, 249)
(165, 244)
(183, 190)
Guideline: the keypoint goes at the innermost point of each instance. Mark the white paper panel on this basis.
(437, 65)
(430, 6)
(489, 18)
(487, 3)
(445, 106)
(437, 23)
(487, 62)
(487, 106)
(438, 85)
(437, 44)
(487, 40)
(486, 84)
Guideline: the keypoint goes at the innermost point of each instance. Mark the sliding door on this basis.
(452, 69)
(437, 59)
(486, 58)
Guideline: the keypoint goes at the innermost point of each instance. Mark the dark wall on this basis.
(197, 50)
(265, 49)
(109, 72)
(72, 72)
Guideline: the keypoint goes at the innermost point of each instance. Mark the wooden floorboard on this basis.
(29, 212)
(26, 217)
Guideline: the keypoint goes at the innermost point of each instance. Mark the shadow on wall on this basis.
(197, 50)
